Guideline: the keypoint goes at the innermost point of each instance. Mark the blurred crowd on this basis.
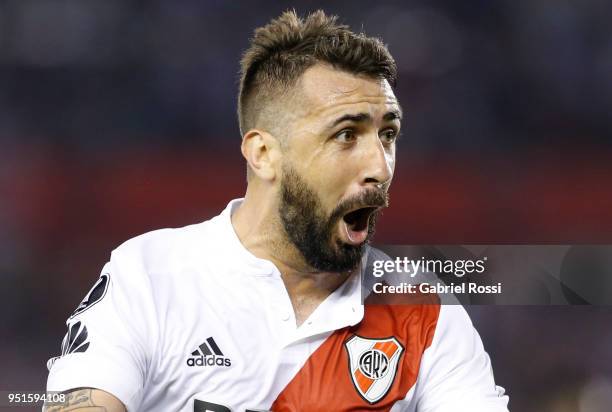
(478, 75)
(119, 117)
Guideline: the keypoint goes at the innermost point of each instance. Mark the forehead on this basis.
(328, 91)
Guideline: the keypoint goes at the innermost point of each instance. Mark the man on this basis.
(260, 307)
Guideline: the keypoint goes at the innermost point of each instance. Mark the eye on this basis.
(345, 136)
(389, 136)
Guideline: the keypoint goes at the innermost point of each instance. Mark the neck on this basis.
(260, 231)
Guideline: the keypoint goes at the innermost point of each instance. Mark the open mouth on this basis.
(355, 224)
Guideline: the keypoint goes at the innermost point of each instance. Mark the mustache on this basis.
(378, 198)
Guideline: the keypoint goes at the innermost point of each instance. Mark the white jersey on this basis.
(189, 320)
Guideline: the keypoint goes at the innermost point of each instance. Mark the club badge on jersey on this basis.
(373, 365)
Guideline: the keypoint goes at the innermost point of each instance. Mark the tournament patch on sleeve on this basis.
(95, 295)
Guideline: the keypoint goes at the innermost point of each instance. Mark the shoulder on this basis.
(165, 250)
(455, 325)
(161, 245)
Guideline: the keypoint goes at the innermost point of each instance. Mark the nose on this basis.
(378, 163)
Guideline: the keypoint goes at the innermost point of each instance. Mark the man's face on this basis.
(338, 161)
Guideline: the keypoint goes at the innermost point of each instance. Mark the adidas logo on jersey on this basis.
(208, 354)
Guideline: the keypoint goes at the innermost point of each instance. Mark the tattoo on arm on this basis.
(77, 400)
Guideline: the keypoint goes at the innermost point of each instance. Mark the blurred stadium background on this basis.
(119, 117)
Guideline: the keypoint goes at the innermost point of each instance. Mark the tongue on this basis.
(356, 237)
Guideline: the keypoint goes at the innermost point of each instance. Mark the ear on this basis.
(262, 153)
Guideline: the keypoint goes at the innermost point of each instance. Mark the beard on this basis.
(311, 230)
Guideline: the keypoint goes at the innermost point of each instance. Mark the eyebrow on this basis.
(393, 115)
(355, 118)
(362, 117)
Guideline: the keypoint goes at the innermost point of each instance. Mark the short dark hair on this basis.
(282, 50)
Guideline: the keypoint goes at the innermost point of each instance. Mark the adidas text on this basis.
(209, 361)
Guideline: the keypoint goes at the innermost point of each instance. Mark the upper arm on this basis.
(109, 336)
(455, 373)
(86, 400)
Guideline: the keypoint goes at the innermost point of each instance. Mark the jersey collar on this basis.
(238, 254)
(344, 307)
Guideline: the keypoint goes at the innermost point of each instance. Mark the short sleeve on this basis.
(107, 345)
(455, 373)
